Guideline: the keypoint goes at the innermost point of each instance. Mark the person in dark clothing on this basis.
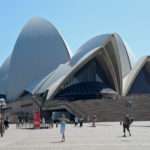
(94, 120)
(6, 123)
(81, 122)
(2, 128)
(126, 125)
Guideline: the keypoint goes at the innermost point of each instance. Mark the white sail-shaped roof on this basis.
(38, 51)
(132, 75)
(41, 61)
(107, 48)
(4, 69)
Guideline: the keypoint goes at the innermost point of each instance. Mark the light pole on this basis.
(2, 104)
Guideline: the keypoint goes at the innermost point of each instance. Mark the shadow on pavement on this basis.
(147, 126)
(53, 142)
(100, 125)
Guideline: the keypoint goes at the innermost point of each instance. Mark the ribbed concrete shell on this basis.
(111, 54)
(4, 69)
(38, 51)
(129, 80)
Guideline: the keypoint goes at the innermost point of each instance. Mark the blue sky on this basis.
(79, 20)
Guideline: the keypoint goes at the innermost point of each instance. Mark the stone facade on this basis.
(25, 106)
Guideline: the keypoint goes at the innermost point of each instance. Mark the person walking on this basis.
(81, 121)
(126, 124)
(94, 120)
(76, 121)
(2, 130)
(63, 121)
(6, 123)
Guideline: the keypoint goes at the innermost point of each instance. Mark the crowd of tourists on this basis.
(126, 123)
(63, 120)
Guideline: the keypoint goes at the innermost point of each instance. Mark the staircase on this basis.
(106, 109)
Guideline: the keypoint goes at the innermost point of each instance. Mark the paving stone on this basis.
(105, 136)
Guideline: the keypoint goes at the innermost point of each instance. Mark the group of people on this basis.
(24, 122)
(127, 121)
(78, 121)
(4, 124)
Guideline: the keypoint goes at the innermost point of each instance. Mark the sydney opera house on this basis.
(99, 78)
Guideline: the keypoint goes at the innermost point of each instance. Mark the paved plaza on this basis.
(105, 136)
